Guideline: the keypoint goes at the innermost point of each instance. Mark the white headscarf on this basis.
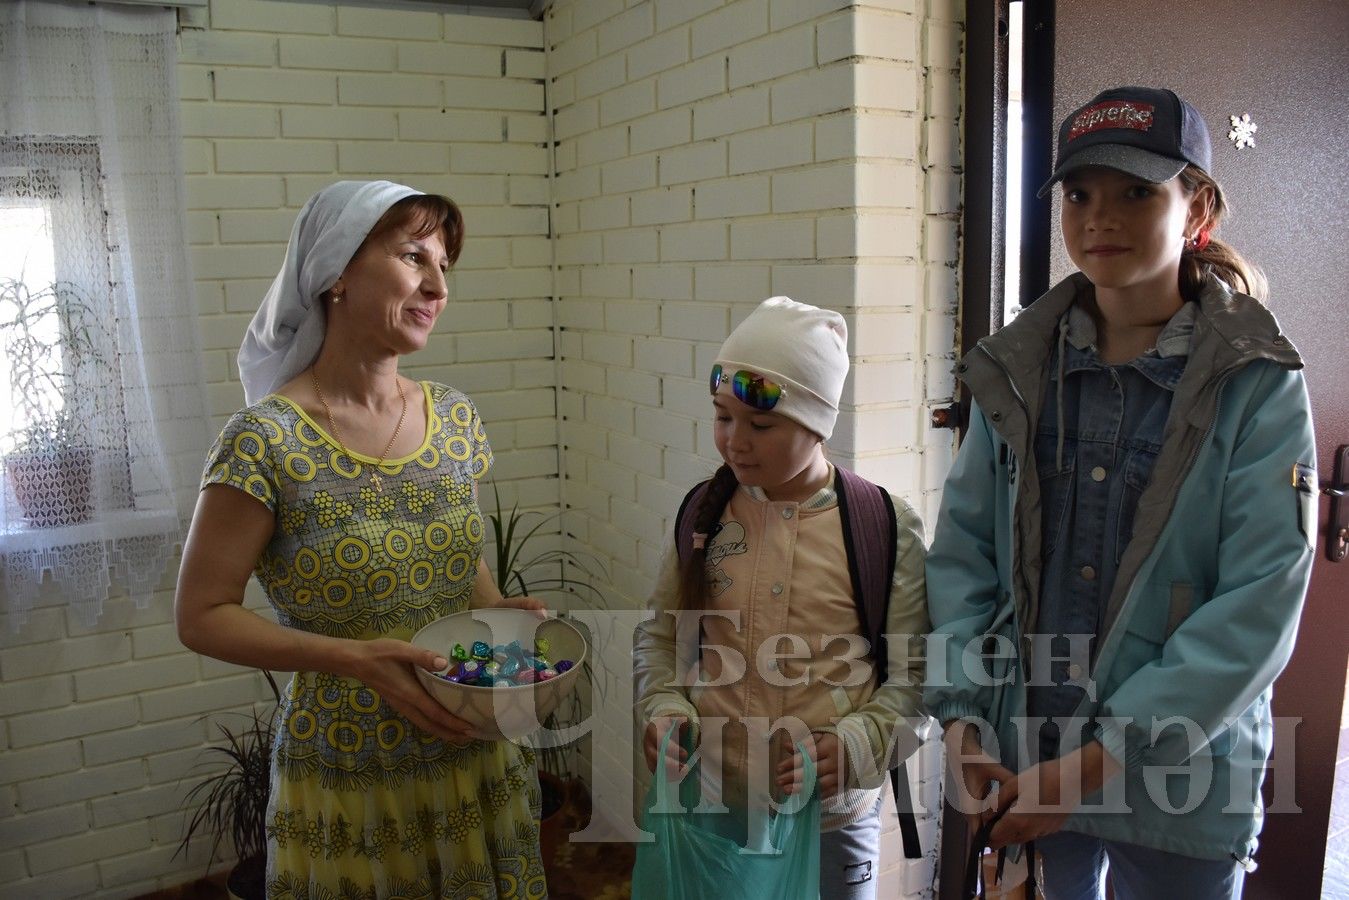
(287, 331)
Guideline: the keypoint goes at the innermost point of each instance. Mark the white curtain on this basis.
(101, 366)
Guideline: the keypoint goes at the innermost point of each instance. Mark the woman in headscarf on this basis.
(350, 491)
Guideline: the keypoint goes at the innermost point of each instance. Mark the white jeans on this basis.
(850, 859)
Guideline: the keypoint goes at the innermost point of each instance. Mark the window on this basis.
(102, 413)
(59, 327)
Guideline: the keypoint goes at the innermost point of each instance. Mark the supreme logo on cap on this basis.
(1112, 114)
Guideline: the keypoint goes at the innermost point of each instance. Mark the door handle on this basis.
(1337, 534)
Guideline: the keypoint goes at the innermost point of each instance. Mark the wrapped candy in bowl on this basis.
(508, 668)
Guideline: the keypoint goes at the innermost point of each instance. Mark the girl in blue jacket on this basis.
(1126, 536)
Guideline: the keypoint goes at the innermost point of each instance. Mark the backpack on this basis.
(869, 540)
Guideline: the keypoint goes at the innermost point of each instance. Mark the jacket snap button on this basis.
(787, 513)
(777, 588)
(1098, 474)
(995, 416)
(1088, 573)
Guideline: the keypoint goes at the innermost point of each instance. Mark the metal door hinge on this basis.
(952, 416)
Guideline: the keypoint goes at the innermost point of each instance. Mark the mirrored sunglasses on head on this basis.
(750, 388)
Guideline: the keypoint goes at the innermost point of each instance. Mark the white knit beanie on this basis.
(801, 347)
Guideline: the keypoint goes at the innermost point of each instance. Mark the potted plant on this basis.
(232, 802)
(521, 571)
(53, 339)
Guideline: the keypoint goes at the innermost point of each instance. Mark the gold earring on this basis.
(337, 297)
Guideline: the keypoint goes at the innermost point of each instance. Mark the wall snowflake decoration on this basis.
(1243, 131)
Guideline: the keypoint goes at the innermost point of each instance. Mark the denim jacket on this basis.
(1204, 608)
(1096, 443)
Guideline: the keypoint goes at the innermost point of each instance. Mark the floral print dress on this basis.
(364, 804)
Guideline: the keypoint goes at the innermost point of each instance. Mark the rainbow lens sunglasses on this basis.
(750, 388)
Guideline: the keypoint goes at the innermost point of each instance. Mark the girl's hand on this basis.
(386, 666)
(530, 603)
(1040, 799)
(675, 757)
(827, 754)
(975, 773)
(1035, 804)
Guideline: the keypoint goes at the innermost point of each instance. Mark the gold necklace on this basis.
(375, 481)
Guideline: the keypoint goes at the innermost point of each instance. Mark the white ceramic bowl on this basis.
(502, 712)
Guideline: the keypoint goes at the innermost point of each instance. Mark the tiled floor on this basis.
(1335, 882)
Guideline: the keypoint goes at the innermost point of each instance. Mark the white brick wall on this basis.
(708, 153)
(800, 147)
(102, 727)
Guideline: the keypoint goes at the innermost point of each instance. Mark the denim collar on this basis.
(1163, 364)
(1173, 340)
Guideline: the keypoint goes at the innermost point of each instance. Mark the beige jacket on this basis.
(782, 610)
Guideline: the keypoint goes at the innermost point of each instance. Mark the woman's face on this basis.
(393, 290)
(1125, 233)
(763, 449)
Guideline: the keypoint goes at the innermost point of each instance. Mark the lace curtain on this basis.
(99, 361)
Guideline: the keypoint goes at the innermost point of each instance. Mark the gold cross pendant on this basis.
(377, 483)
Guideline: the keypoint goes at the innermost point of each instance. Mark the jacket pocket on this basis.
(1137, 473)
(1145, 633)
(1057, 487)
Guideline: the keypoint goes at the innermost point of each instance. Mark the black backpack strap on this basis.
(975, 887)
(908, 823)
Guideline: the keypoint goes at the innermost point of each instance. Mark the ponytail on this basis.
(1217, 257)
(692, 577)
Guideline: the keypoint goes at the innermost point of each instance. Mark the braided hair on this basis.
(692, 577)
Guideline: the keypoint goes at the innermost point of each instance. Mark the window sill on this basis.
(159, 2)
(116, 525)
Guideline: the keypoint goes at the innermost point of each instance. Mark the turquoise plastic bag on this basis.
(693, 858)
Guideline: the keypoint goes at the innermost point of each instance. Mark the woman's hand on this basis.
(486, 594)
(827, 753)
(675, 756)
(386, 666)
(975, 773)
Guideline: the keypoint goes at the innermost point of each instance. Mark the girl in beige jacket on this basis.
(759, 642)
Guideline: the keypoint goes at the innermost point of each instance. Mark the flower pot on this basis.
(553, 818)
(248, 879)
(53, 487)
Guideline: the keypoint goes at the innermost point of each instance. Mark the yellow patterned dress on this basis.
(365, 805)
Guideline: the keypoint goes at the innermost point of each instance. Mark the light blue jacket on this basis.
(1205, 607)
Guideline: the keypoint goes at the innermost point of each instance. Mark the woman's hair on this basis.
(692, 577)
(423, 214)
(1218, 257)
